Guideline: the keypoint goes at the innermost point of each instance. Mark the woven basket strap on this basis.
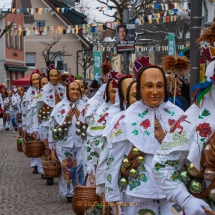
(159, 132)
(57, 98)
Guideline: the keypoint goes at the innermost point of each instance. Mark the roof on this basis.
(5, 4)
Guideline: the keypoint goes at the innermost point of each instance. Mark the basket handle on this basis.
(86, 177)
(209, 212)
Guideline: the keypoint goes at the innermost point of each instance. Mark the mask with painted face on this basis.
(81, 84)
(132, 94)
(43, 82)
(53, 76)
(125, 84)
(35, 80)
(152, 87)
(112, 92)
(9, 94)
(74, 91)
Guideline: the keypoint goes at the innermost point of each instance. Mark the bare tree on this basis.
(142, 7)
(48, 54)
(7, 27)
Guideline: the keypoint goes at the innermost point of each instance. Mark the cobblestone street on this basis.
(24, 193)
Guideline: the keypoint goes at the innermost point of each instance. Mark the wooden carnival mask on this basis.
(125, 84)
(35, 80)
(132, 93)
(53, 76)
(9, 94)
(74, 91)
(81, 84)
(152, 87)
(43, 82)
(112, 91)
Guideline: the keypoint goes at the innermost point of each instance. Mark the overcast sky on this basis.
(94, 13)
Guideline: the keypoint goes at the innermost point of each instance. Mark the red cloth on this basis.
(22, 81)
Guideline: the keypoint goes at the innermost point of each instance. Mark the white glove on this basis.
(90, 168)
(194, 206)
(100, 189)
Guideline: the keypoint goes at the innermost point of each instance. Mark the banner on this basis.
(97, 59)
(171, 44)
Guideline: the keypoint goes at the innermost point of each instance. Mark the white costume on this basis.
(135, 129)
(11, 111)
(1, 111)
(188, 143)
(68, 148)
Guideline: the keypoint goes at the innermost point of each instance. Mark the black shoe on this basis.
(6, 129)
(43, 177)
(50, 181)
(69, 199)
(15, 129)
(35, 171)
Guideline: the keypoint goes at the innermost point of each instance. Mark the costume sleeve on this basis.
(164, 169)
(113, 164)
(24, 113)
(92, 156)
(52, 125)
(35, 123)
(103, 156)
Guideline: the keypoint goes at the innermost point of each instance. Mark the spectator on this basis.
(93, 88)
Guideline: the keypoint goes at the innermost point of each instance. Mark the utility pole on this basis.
(195, 29)
(126, 55)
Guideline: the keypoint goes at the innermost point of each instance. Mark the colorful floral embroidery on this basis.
(203, 130)
(175, 176)
(205, 113)
(172, 162)
(171, 113)
(116, 133)
(146, 212)
(141, 115)
(177, 124)
(178, 140)
(133, 184)
(142, 177)
(109, 178)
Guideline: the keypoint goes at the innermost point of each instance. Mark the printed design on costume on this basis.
(69, 168)
(61, 112)
(38, 96)
(177, 124)
(146, 212)
(50, 97)
(145, 124)
(109, 178)
(109, 162)
(116, 131)
(203, 130)
(32, 92)
(90, 152)
(177, 140)
(175, 176)
(159, 166)
(171, 113)
(204, 113)
(101, 120)
(133, 183)
(84, 111)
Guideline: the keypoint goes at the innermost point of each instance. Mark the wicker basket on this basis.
(33, 148)
(52, 169)
(83, 195)
(19, 146)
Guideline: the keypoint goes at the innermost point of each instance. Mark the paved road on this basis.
(21, 192)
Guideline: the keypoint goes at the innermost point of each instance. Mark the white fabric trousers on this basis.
(71, 169)
(11, 119)
(141, 206)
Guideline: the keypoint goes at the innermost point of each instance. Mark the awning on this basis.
(15, 68)
(22, 81)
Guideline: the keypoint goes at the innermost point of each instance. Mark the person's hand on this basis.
(194, 206)
(35, 135)
(53, 155)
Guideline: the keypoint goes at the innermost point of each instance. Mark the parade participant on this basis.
(50, 95)
(1, 109)
(11, 107)
(84, 98)
(99, 122)
(30, 94)
(190, 146)
(19, 114)
(134, 140)
(93, 103)
(65, 140)
(35, 162)
(126, 87)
